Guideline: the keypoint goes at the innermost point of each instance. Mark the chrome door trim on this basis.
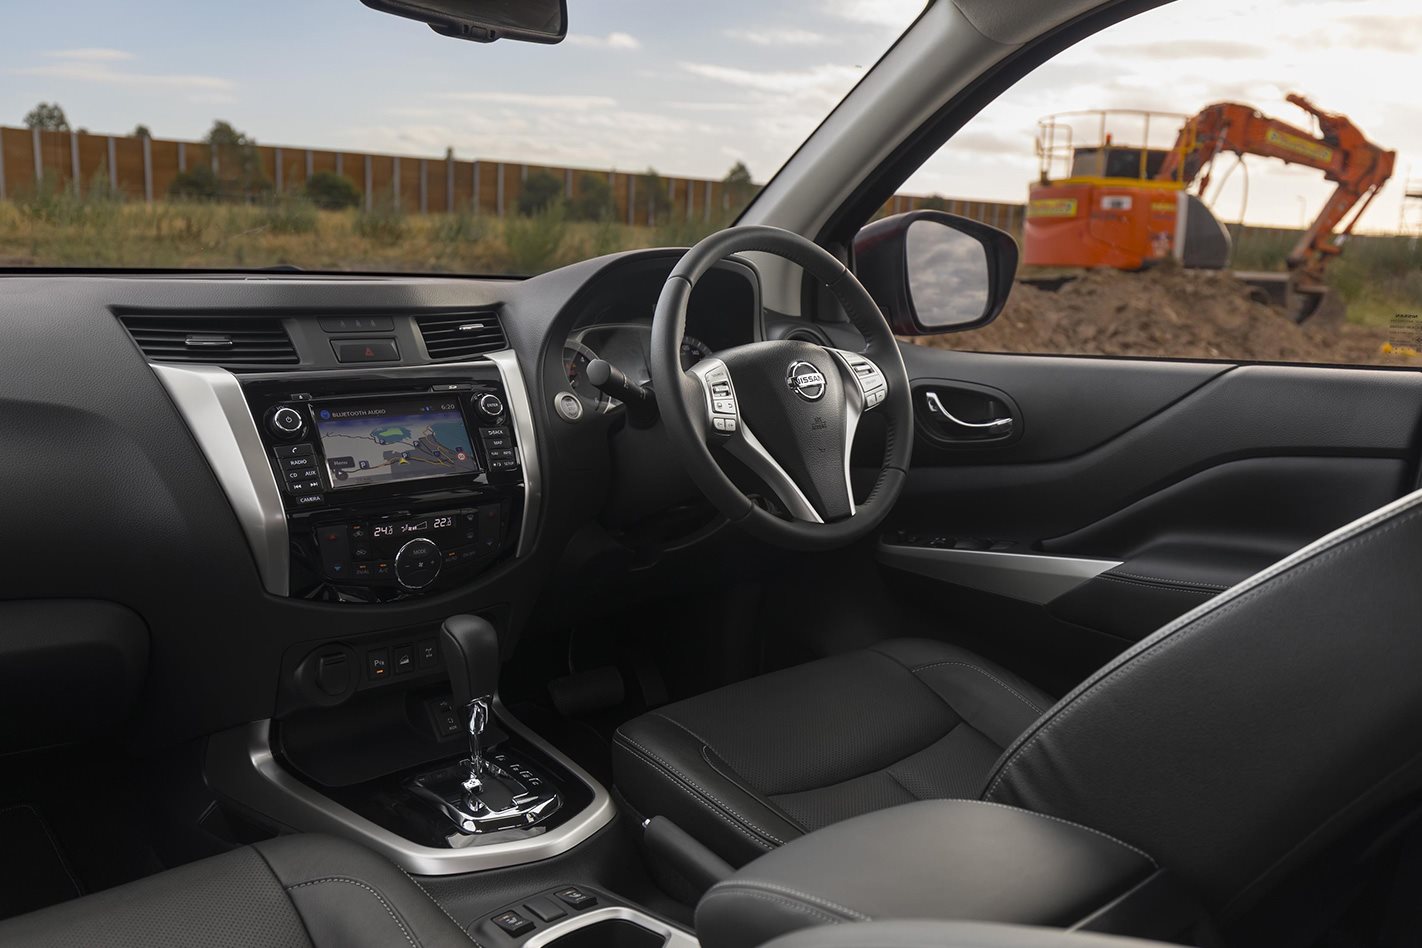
(1030, 577)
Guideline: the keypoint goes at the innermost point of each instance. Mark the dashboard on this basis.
(255, 467)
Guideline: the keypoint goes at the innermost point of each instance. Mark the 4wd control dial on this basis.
(417, 564)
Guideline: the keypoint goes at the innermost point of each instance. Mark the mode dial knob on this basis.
(490, 406)
(417, 564)
(286, 422)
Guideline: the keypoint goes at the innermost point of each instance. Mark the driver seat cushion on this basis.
(753, 765)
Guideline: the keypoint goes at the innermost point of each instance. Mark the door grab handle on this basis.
(934, 405)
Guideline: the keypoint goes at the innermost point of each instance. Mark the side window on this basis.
(1209, 180)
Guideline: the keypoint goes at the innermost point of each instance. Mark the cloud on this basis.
(824, 81)
(91, 54)
(1189, 49)
(80, 70)
(896, 14)
(610, 41)
(781, 37)
(534, 100)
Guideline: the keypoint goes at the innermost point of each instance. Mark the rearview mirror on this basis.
(932, 272)
(483, 21)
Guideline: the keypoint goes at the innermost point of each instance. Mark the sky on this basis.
(691, 88)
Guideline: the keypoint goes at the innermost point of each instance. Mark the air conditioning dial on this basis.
(418, 563)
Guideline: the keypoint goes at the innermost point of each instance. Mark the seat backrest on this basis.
(1252, 732)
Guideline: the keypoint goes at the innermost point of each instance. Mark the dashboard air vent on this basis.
(234, 342)
(460, 335)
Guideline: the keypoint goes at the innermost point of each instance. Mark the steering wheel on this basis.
(787, 409)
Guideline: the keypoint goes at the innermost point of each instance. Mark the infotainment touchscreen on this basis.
(404, 439)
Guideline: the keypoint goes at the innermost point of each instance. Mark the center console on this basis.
(391, 487)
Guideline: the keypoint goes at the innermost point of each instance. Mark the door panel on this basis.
(1157, 484)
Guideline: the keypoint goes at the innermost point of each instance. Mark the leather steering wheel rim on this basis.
(685, 405)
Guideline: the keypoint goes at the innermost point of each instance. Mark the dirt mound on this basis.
(1166, 312)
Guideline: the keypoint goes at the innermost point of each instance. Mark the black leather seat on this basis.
(290, 892)
(751, 766)
(1234, 744)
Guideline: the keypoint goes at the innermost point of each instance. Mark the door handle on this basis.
(1000, 427)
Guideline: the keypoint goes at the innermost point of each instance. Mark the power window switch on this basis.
(513, 923)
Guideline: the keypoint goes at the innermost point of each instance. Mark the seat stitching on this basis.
(961, 722)
(706, 756)
(986, 674)
(730, 778)
(409, 937)
(1202, 590)
(439, 905)
(1057, 819)
(721, 811)
(54, 843)
(1214, 610)
(795, 893)
(1164, 579)
(767, 897)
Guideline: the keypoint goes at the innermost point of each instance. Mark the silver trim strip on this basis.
(211, 402)
(521, 410)
(1030, 577)
(672, 936)
(242, 767)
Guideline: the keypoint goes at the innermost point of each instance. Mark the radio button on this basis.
(303, 463)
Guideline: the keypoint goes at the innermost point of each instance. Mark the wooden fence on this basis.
(144, 169)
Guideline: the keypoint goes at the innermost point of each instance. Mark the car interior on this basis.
(676, 597)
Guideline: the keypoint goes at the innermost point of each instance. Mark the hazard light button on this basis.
(366, 350)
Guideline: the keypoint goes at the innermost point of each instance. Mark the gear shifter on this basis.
(470, 646)
(482, 793)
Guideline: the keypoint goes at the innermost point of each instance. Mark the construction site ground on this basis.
(1172, 313)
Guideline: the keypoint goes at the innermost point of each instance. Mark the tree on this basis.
(594, 200)
(332, 192)
(541, 190)
(652, 201)
(739, 187)
(141, 131)
(239, 168)
(48, 117)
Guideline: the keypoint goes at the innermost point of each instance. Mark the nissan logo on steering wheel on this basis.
(805, 380)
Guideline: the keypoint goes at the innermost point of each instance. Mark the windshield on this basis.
(324, 135)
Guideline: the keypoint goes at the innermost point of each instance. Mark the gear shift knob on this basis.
(470, 646)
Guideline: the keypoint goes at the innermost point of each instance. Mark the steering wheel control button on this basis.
(418, 563)
(366, 350)
(568, 406)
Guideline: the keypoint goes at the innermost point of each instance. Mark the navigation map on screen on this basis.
(401, 440)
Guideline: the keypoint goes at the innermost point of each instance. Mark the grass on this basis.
(1377, 276)
(61, 229)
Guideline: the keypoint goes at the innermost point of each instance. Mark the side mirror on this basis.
(483, 21)
(932, 272)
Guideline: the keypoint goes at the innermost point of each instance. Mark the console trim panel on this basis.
(211, 401)
(242, 767)
(1030, 577)
(674, 937)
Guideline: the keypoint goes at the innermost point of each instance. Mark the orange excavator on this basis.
(1129, 206)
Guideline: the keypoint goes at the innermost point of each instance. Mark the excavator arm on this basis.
(1340, 151)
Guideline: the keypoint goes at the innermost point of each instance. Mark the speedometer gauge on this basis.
(693, 350)
(576, 357)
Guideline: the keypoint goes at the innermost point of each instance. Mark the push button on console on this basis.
(366, 350)
(513, 923)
